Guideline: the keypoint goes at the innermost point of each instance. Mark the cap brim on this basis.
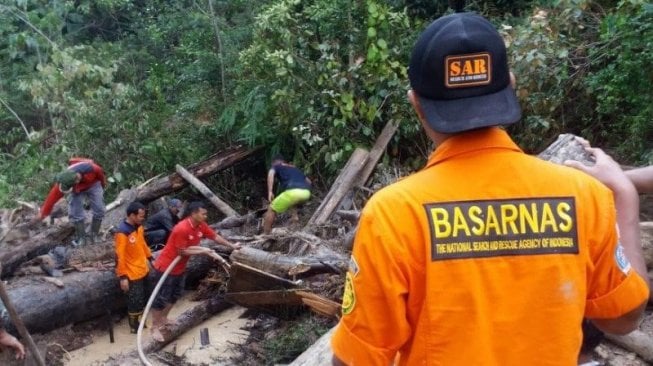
(457, 115)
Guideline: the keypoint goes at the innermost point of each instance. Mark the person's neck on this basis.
(131, 222)
(194, 222)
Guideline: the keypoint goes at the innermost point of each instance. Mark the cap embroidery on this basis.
(468, 70)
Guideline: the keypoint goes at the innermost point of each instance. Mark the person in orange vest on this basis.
(487, 255)
(132, 262)
(83, 179)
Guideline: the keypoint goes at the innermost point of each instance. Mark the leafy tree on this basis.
(621, 80)
(323, 77)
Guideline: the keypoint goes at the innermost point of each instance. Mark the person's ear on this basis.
(513, 81)
(414, 101)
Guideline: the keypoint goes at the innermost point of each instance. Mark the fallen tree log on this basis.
(44, 307)
(635, 341)
(13, 256)
(214, 163)
(206, 192)
(376, 152)
(289, 266)
(340, 187)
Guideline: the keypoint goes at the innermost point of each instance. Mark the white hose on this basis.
(141, 324)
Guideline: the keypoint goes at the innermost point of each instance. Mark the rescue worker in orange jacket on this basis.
(83, 179)
(132, 262)
(487, 256)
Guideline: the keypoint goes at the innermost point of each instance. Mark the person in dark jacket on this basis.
(295, 189)
(159, 225)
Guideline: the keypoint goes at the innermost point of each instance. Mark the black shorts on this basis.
(170, 291)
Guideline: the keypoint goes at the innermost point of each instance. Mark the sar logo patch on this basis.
(468, 70)
(349, 297)
(132, 239)
(622, 261)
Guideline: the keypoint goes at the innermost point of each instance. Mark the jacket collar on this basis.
(472, 141)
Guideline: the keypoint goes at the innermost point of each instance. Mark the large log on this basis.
(206, 192)
(13, 256)
(289, 266)
(85, 295)
(566, 147)
(340, 187)
(174, 182)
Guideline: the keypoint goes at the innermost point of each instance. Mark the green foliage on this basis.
(548, 54)
(324, 76)
(621, 79)
(134, 85)
(294, 340)
(142, 85)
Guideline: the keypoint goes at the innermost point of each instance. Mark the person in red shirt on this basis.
(83, 179)
(184, 241)
(132, 258)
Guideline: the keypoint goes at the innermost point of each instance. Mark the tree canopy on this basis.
(140, 86)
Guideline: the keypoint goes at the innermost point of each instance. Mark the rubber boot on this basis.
(95, 230)
(80, 234)
(134, 322)
(140, 319)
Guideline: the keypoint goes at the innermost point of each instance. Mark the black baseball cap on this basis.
(459, 71)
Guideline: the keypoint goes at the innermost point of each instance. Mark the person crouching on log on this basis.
(295, 189)
(132, 257)
(184, 241)
(83, 179)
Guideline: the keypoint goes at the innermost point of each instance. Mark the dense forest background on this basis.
(145, 84)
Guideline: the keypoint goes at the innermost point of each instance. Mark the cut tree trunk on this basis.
(340, 187)
(174, 182)
(85, 295)
(566, 148)
(289, 266)
(13, 256)
(206, 192)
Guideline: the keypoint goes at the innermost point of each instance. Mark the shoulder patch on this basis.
(349, 296)
(622, 261)
(353, 266)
